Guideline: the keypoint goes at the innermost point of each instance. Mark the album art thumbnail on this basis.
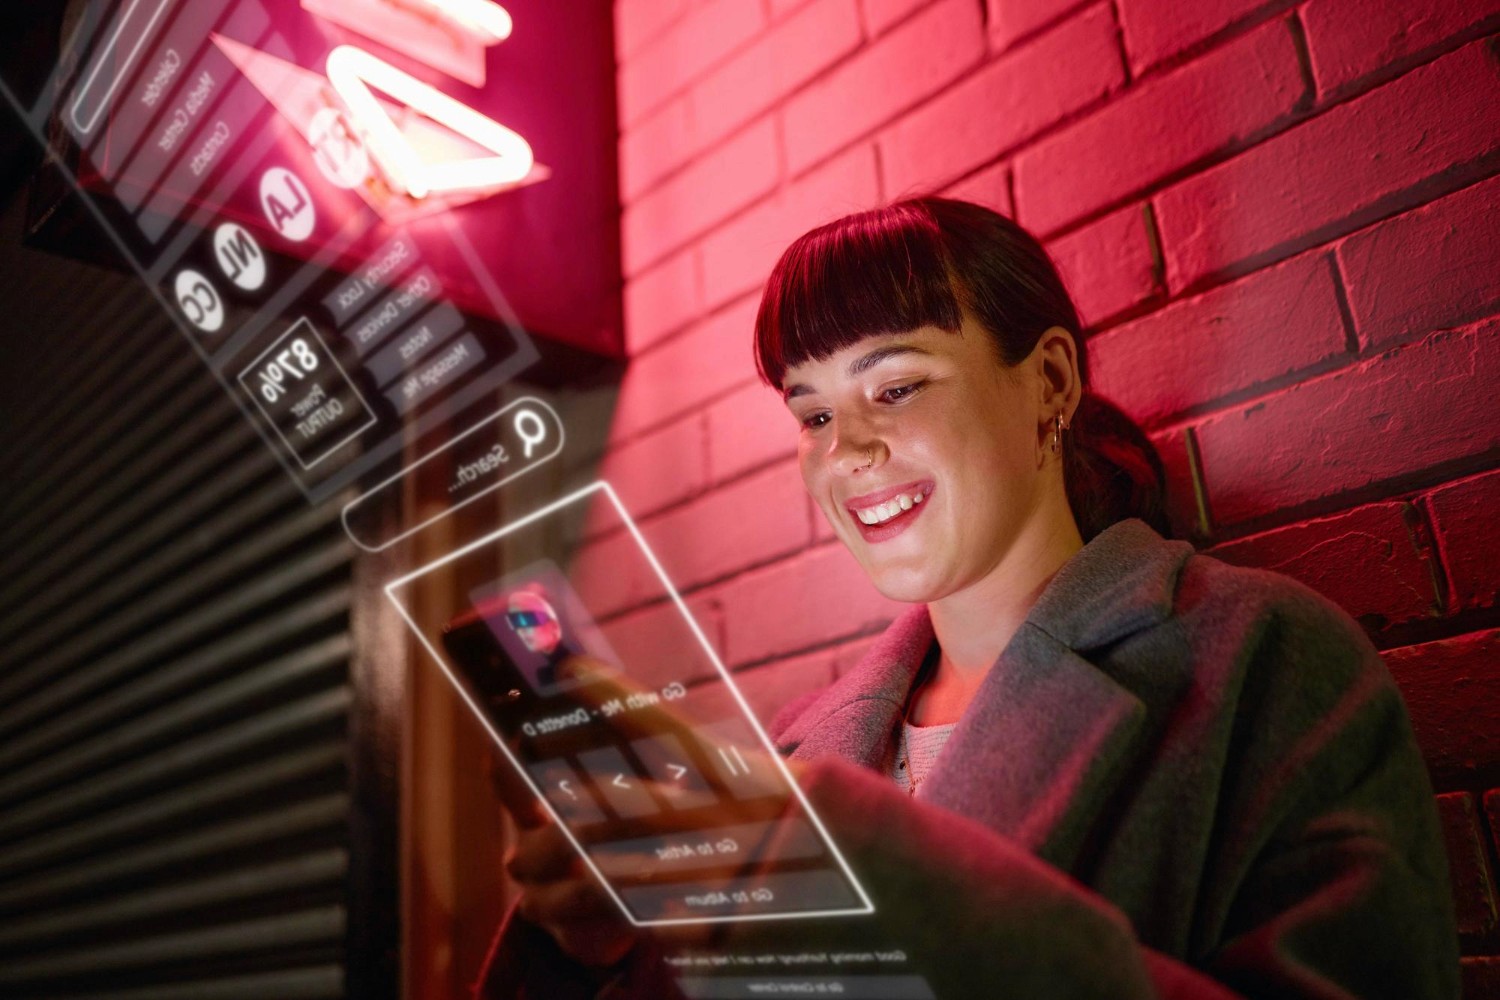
(540, 622)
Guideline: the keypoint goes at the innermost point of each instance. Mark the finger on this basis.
(542, 855)
(565, 901)
(516, 796)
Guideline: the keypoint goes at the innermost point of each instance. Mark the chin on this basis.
(904, 585)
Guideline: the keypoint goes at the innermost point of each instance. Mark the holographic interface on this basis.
(640, 744)
(291, 194)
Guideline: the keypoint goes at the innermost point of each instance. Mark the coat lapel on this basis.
(1035, 754)
(1050, 732)
(855, 717)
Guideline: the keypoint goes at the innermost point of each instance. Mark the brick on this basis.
(738, 256)
(656, 644)
(655, 147)
(880, 15)
(1182, 494)
(781, 8)
(1224, 342)
(749, 522)
(1350, 41)
(1154, 30)
(989, 187)
(800, 603)
(913, 62)
(612, 576)
(1429, 132)
(1368, 561)
(1452, 689)
(1463, 516)
(1012, 20)
(1004, 104)
(1356, 428)
(779, 62)
(701, 39)
(661, 301)
(1468, 871)
(710, 190)
(1479, 976)
(688, 371)
(639, 21)
(748, 429)
(658, 469)
(768, 688)
(1162, 128)
(1109, 266)
(1395, 293)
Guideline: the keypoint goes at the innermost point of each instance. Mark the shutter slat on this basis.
(299, 874)
(182, 811)
(222, 789)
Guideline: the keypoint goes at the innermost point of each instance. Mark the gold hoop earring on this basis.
(1058, 426)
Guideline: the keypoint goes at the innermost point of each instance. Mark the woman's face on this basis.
(924, 453)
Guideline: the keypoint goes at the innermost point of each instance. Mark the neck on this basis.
(973, 626)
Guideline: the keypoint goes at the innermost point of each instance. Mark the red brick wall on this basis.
(1280, 220)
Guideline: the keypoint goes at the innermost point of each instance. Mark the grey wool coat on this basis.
(1179, 779)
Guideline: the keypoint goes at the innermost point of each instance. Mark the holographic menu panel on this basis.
(346, 314)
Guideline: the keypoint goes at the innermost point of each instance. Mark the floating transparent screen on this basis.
(626, 724)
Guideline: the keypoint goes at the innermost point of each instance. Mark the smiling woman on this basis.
(1088, 761)
(1217, 755)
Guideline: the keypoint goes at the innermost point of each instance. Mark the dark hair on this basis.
(925, 262)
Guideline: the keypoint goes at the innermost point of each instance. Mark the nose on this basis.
(855, 448)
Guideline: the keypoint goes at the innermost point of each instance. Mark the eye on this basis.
(897, 393)
(815, 420)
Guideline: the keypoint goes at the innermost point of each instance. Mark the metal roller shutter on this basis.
(177, 814)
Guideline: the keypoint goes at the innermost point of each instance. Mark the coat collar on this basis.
(1048, 729)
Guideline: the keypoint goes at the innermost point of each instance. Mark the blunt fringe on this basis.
(926, 262)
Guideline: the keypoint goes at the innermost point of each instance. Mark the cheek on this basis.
(809, 465)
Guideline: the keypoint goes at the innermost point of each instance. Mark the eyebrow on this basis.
(860, 365)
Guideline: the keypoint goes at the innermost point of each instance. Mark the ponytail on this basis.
(1111, 469)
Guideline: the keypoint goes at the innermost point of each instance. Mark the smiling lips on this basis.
(887, 513)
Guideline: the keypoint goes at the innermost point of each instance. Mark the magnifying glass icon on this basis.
(531, 429)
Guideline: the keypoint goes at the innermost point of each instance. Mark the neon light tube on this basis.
(353, 71)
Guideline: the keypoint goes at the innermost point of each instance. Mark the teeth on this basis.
(883, 512)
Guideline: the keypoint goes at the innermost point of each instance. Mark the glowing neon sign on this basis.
(353, 71)
(489, 20)
(360, 128)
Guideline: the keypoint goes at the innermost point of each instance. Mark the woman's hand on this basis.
(560, 895)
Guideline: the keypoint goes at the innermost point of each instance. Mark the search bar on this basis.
(495, 451)
(133, 29)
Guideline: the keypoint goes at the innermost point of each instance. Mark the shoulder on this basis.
(1170, 623)
(1288, 663)
(1238, 607)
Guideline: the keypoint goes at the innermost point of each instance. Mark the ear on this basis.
(1055, 362)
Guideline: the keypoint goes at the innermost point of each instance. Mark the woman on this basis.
(1163, 776)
